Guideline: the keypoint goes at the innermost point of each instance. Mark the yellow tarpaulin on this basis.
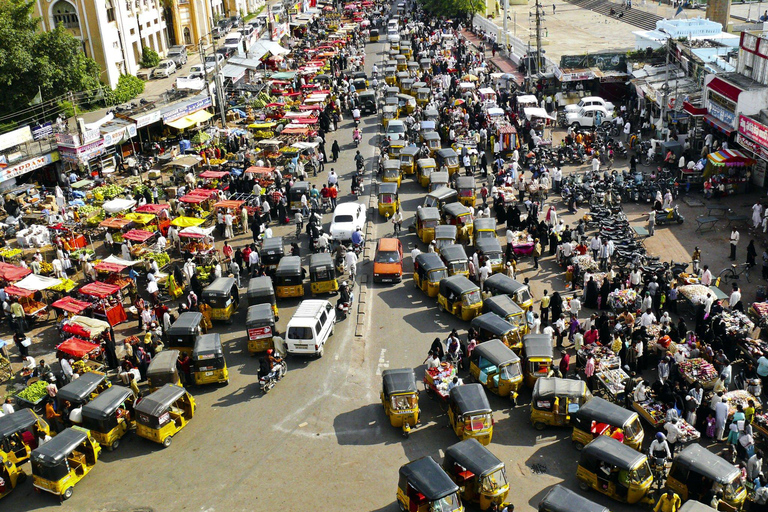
(191, 120)
(261, 126)
(140, 218)
(187, 222)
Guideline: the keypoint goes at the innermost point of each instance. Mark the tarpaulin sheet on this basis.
(186, 222)
(152, 208)
(109, 267)
(118, 261)
(35, 283)
(85, 327)
(18, 292)
(99, 290)
(140, 218)
(115, 223)
(139, 235)
(229, 204)
(71, 305)
(77, 348)
(260, 170)
(118, 205)
(213, 175)
(12, 272)
(196, 232)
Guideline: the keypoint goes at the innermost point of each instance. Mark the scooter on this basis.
(268, 382)
(668, 216)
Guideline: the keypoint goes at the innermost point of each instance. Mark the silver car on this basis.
(165, 69)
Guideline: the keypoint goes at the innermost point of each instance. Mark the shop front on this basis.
(45, 166)
(753, 138)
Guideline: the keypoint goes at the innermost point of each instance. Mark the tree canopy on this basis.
(30, 58)
(454, 8)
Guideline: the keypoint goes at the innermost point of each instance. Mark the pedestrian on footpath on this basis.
(651, 223)
(734, 243)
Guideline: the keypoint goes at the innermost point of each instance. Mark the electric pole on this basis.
(663, 120)
(503, 44)
(538, 36)
(538, 19)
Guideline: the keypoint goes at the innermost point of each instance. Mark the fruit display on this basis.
(698, 370)
(738, 397)
(83, 253)
(760, 309)
(34, 392)
(86, 210)
(95, 218)
(613, 380)
(46, 268)
(263, 134)
(605, 359)
(161, 258)
(262, 100)
(622, 299)
(107, 192)
(195, 247)
(65, 286)
(32, 307)
(10, 253)
(217, 161)
(695, 293)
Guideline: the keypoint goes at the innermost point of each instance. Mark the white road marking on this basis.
(383, 362)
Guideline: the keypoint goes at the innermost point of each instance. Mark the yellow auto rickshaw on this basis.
(426, 64)
(390, 93)
(431, 114)
(388, 113)
(163, 369)
(208, 363)
(391, 172)
(456, 214)
(538, 355)
(223, 297)
(485, 228)
(616, 470)
(424, 168)
(109, 416)
(374, 34)
(470, 414)
(696, 470)
(460, 297)
(18, 432)
(161, 415)
(406, 85)
(428, 271)
(390, 75)
(10, 475)
(600, 418)
(423, 96)
(502, 284)
(406, 102)
(444, 236)
(322, 274)
(497, 367)
(406, 49)
(448, 158)
(491, 250)
(400, 398)
(261, 291)
(408, 159)
(81, 391)
(480, 475)
(433, 142)
(554, 400)
(507, 309)
(272, 251)
(391, 101)
(289, 277)
(562, 499)
(426, 221)
(260, 326)
(185, 329)
(437, 180)
(389, 200)
(490, 326)
(441, 197)
(455, 259)
(395, 147)
(402, 62)
(465, 186)
(59, 464)
(423, 486)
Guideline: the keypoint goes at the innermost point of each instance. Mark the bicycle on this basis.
(732, 274)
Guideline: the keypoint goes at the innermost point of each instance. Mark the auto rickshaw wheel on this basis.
(114, 445)
(539, 425)
(440, 307)
(584, 486)
(167, 442)
(22, 477)
(402, 507)
(68, 493)
(578, 446)
(226, 382)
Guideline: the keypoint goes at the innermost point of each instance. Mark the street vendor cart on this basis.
(107, 305)
(436, 381)
(697, 369)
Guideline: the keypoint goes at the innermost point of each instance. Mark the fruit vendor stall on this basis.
(105, 301)
(116, 226)
(83, 327)
(71, 305)
(162, 220)
(211, 178)
(198, 242)
(111, 269)
(141, 239)
(263, 175)
(262, 131)
(33, 396)
(655, 414)
(119, 206)
(11, 254)
(695, 294)
(31, 300)
(233, 207)
(79, 349)
(199, 199)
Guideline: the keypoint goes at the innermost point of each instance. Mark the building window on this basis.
(110, 11)
(64, 13)
(187, 36)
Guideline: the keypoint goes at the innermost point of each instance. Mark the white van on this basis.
(310, 327)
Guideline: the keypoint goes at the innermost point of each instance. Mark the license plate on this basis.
(386, 280)
(300, 347)
(209, 374)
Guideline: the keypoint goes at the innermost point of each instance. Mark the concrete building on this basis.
(113, 32)
(753, 56)
(192, 18)
(694, 29)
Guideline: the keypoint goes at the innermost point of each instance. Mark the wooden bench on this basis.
(706, 223)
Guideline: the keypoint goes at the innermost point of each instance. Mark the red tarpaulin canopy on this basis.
(260, 170)
(139, 235)
(305, 120)
(213, 175)
(104, 266)
(19, 292)
(152, 208)
(115, 223)
(12, 272)
(99, 290)
(77, 348)
(295, 130)
(71, 305)
(235, 205)
(310, 107)
(193, 199)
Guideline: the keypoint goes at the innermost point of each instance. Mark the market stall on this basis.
(11, 273)
(655, 414)
(623, 300)
(115, 226)
(695, 295)
(34, 308)
(522, 243)
(729, 171)
(78, 349)
(612, 383)
(71, 305)
(698, 370)
(111, 269)
(198, 242)
(106, 301)
(141, 239)
(436, 381)
(89, 329)
(118, 206)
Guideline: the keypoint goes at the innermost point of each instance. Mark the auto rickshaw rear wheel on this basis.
(114, 445)
(68, 493)
(167, 442)
(578, 446)
(539, 425)
(402, 507)
(22, 476)
(584, 486)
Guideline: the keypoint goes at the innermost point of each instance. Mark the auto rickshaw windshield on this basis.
(403, 402)
(523, 296)
(633, 427)
(461, 266)
(492, 482)
(640, 473)
(477, 422)
(494, 258)
(732, 489)
(438, 275)
(429, 223)
(470, 298)
(387, 198)
(448, 503)
(464, 220)
(509, 372)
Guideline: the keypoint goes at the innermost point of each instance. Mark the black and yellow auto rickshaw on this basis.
(390, 75)
(405, 102)
(260, 328)
(109, 416)
(59, 464)
(406, 86)
(289, 277)
(391, 172)
(444, 235)
(426, 221)
(423, 96)
(426, 64)
(502, 284)
(161, 415)
(163, 369)
(402, 62)
(460, 297)
(322, 274)
(616, 470)
(360, 84)
(437, 180)
(696, 470)
(485, 228)
(456, 214)
(395, 147)
(223, 297)
(19, 432)
(391, 93)
(81, 391)
(272, 251)
(538, 356)
(455, 259)
(400, 398)
(388, 199)
(10, 475)
(441, 197)
(408, 159)
(428, 271)
(374, 34)
(491, 249)
(601, 418)
(491, 326)
(423, 486)
(406, 48)
(507, 309)
(388, 113)
(562, 499)
(360, 75)
(391, 102)
(300, 188)
(184, 330)
(208, 363)
(447, 157)
(480, 475)
(424, 168)
(465, 186)
(433, 142)
(470, 414)
(261, 291)
(494, 365)
(431, 114)
(368, 102)
(554, 400)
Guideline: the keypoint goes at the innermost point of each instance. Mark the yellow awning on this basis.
(140, 218)
(261, 126)
(186, 222)
(200, 116)
(191, 120)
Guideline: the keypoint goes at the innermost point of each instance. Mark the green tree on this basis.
(149, 58)
(454, 8)
(29, 59)
(128, 87)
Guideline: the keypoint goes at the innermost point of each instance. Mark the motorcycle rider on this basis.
(357, 237)
(356, 136)
(359, 160)
(356, 115)
(274, 361)
(659, 448)
(344, 293)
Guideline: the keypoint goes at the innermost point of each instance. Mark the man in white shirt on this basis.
(735, 299)
(8, 407)
(734, 243)
(673, 433)
(708, 303)
(350, 261)
(485, 271)
(228, 220)
(575, 306)
(706, 276)
(253, 262)
(648, 318)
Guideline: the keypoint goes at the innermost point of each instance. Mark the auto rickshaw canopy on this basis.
(453, 252)
(103, 407)
(453, 209)
(497, 353)
(444, 195)
(470, 399)
(160, 401)
(492, 323)
(458, 284)
(502, 305)
(55, 451)
(428, 261)
(260, 314)
(208, 346)
(389, 111)
(272, 247)
(221, 287)
(446, 153)
(430, 136)
(695, 506)
(163, 364)
(440, 178)
(187, 323)
(428, 478)
(561, 499)
(504, 284)
(410, 151)
(700, 460)
(260, 289)
(387, 188)
(391, 166)
(473, 456)
(602, 411)
(445, 232)
(289, 266)
(466, 183)
(615, 453)
(427, 214)
(80, 389)
(16, 422)
(321, 265)
(554, 387)
(485, 224)
(426, 163)
(402, 380)
(487, 245)
(538, 345)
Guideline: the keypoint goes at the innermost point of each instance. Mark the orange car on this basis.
(388, 263)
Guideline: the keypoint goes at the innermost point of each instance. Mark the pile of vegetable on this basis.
(9, 253)
(107, 192)
(140, 189)
(34, 392)
(65, 286)
(46, 268)
(78, 254)
(161, 258)
(217, 161)
(263, 134)
(86, 210)
(95, 219)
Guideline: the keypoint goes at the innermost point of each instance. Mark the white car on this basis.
(165, 69)
(206, 68)
(233, 40)
(347, 218)
(396, 130)
(192, 82)
(589, 101)
(586, 116)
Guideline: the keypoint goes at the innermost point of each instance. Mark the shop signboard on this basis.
(752, 146)
(82, 154)
(28, 166)
(186, 109)
(754, 130)
(42, 131)
(720, 113)
(279, 30)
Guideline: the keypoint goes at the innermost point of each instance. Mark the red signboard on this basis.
(754, 130)
(748, 144)
(259, 333)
